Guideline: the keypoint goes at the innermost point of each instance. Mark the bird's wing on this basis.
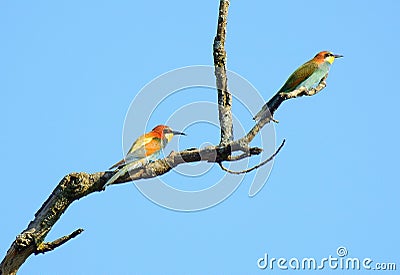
(138, 149)
(136, 152)
(301, 74)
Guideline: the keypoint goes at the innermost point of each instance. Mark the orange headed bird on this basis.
(146, 148)
(307, 75)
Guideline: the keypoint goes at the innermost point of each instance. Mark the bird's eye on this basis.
(328, 54)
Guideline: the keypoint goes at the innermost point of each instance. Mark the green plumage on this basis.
(307, 75)
(299, 76)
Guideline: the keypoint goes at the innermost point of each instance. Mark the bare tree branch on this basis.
(224, 97)
(211, 154)
(254, 167)
(72, 187)
(251, 152)
(49, 246)
(77, 185)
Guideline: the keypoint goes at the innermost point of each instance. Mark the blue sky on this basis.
(69, 71)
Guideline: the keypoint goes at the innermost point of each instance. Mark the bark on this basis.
(224, 96)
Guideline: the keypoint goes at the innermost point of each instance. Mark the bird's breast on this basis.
(316, 76)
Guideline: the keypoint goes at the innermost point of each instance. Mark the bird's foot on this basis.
(287, 95)
(274, 120)
(296, 93)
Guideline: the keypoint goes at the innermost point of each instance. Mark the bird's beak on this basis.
(178, 133)
(337, 55)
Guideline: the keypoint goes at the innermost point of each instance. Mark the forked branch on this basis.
(49, 246)
(254, 167)
(77, 185)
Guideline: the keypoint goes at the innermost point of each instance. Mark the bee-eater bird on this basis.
(146, 148)
(307, 75)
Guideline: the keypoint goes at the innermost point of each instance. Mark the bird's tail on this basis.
(124, 169)
(272, 104)
(118, 164)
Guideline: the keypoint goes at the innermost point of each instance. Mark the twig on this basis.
(253, 151)
(49, 246)
(254, 167)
